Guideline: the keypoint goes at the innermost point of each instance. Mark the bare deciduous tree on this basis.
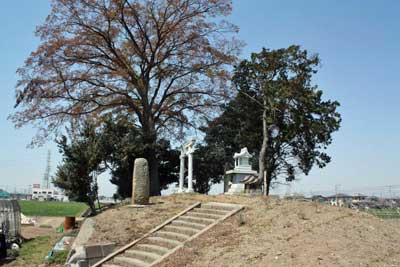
(159, 61)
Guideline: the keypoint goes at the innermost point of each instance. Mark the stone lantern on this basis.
(233, 182)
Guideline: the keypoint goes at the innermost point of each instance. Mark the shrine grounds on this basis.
(269, 232)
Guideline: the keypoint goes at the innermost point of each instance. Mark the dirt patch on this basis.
(51, 222)
(29, 232)
(44, 226)
(125, 224)
(269, 232)
(293, 233)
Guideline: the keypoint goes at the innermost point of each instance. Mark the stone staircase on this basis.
(170, 236)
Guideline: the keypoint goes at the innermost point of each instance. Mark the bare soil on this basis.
(44, 226)
(269, 232)
(125, 224)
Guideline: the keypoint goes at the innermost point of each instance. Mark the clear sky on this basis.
(358, 42)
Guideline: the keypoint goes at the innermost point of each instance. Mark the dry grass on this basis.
(270, 232)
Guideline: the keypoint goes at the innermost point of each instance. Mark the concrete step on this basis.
(152, 248)
(220, 206)
(172, 235)
(203, 215)
(164, 242)
(211, 211)
(196, 219)
(181, 230)
(130, 262)
(198, 226)
(142, 255)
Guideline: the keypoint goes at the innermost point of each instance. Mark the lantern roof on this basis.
(244, 153)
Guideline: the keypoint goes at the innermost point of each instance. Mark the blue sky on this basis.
(358, 42)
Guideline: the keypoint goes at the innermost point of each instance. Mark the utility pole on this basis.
(336, 191)
(46, 176)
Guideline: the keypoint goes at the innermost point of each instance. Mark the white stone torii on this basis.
(187, 150)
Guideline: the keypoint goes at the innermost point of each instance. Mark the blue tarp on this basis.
(4, 194)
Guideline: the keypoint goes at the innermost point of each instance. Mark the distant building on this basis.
(359, 197)
(343, 197)
(319, 198)
(43, 194)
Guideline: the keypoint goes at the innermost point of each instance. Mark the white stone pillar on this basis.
(190, 172)
(181, 171)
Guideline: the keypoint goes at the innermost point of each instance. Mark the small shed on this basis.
(10, 220)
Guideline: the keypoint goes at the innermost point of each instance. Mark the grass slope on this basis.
(386, 213)
(52, 208)
(33, 252)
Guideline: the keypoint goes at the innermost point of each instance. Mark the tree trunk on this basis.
(153, 173)
(263, 152)
(268, 181)
(92, 207)
(150, 153)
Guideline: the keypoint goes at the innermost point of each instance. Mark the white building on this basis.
(42, 194)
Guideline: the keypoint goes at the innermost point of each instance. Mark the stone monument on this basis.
(140, 182)
(233, 183)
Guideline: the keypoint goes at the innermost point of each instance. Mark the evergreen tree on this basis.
(77, 174)
(278, 114)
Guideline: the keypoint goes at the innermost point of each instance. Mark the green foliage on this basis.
(122, 143)
(51, 208)
(207, 160)
(34, 251)
(59, 257)
(112, 145)
(278, 81)
(82, 157)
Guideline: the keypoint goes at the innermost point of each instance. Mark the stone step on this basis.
(212, 211)
(165, 242)
(181, 230)
(220, 206)
(142, 255)
(196, 219)
(152, 248)
(172, 235)
(203, 215)
(130, 262)
(198, 226)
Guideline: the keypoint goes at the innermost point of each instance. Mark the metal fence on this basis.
(10, 219)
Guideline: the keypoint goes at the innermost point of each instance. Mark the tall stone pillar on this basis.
(140, 182)
(190, 172)
(181, 171)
